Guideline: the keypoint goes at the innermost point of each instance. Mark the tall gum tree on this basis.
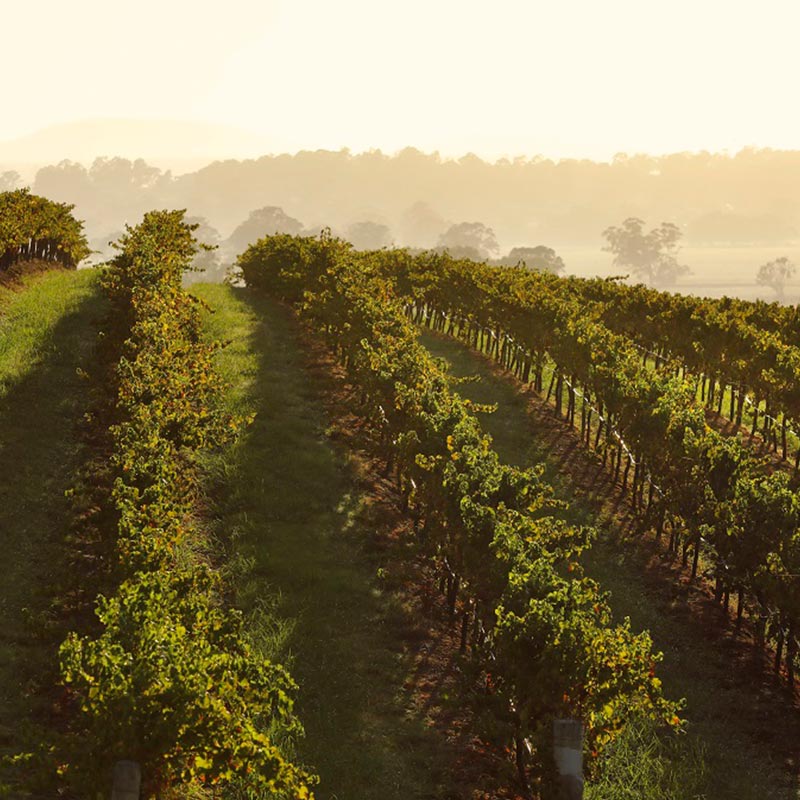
(652, 256)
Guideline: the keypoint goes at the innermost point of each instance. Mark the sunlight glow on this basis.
(576, 78)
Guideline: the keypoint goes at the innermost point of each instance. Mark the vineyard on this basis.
(33, 228)
(713, 493)
(219, 559)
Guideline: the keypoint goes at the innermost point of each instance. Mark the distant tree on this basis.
(67, 179)
(652, 256)
(262, 222)
(420, 225)
(102, 248)
(369, 235)
(775, 274)
(116, 175)
(9, 180)
(207, 264)
(469, 237)
(540, 257)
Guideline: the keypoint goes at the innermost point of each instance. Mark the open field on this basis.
(716, 271)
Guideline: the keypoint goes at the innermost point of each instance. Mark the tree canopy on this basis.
(469, 240)
(266, 221)
(651, 256)
(776, 274)
(540, 257)
(369, 235)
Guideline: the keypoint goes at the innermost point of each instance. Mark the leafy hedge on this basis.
(170, 680)
(35, 228)
(541, 629)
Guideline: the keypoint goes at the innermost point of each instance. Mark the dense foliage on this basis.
(711, 490)
(35, 228)
(539, 627)
(170, 680)
(747, 352)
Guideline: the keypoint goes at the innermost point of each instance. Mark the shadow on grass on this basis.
(303, 528)
(40, 409)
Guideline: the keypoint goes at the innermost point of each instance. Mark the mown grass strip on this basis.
(300, 525)
(46, 335)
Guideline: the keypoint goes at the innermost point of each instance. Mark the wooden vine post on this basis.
(127, 781)
(568, 754)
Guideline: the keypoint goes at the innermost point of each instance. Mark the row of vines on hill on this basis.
(168, 678)
(33, 228)
(747, 350)
(539, 627)
(710, 490)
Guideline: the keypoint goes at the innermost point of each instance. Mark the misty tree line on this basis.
(108, 181)
(528, 199)
(362, 198)
(649, 256)
(462, 240)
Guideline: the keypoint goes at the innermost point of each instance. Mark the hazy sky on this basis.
(508, 77)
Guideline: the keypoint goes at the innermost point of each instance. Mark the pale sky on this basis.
(564, 78)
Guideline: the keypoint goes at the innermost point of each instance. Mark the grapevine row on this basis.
(35, 228)
(749, 349)
(169, 679)
(540, 627)
(710, 489)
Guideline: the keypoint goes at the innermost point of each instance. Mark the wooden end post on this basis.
(568, 753)
(127, 781)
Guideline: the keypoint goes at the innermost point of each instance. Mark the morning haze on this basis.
(414, 199)
(394, 123)
(464, 485)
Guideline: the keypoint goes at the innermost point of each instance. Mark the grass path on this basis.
(299, 522)
(46, 333)
(725, 710)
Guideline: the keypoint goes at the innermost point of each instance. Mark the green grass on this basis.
(741, 764)
(297, 525)
(46, 334)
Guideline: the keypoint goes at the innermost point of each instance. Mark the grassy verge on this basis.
(729, 718)
(46, 334)
(298, 524)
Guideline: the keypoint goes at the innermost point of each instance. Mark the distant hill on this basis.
(178, 145)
